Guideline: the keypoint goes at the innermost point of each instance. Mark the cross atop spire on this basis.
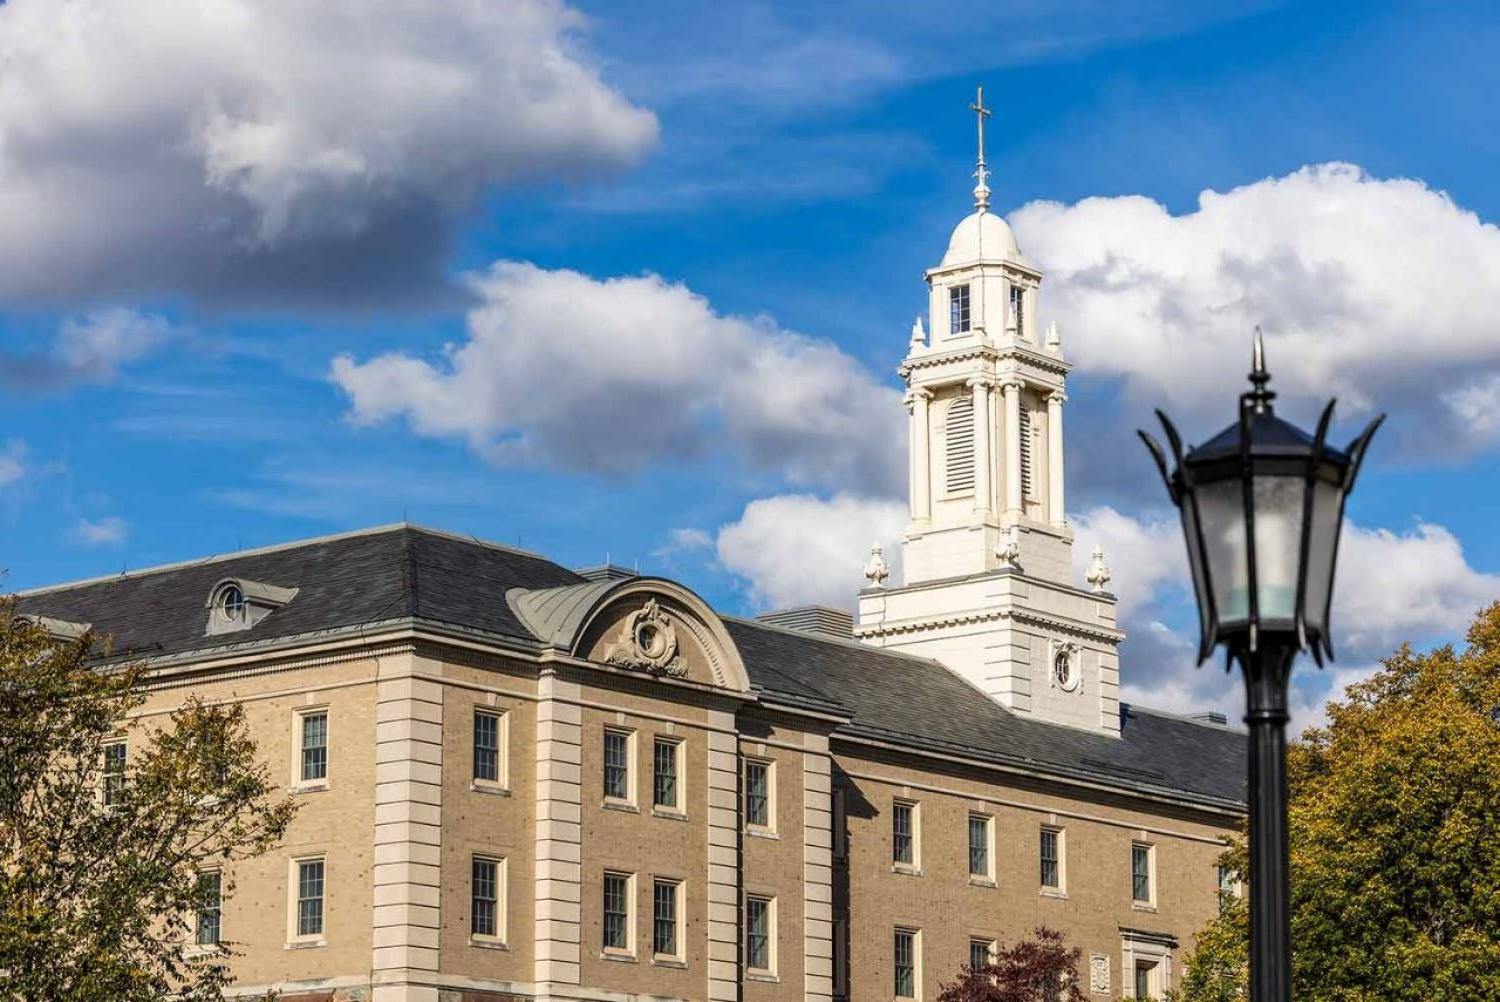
(982, 189)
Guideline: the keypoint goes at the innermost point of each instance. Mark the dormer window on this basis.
(237, 604)
(958, 309)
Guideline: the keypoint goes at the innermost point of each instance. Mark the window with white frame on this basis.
(1142, 865)
(760, 934)
(113, 774)
(905, 838)
(617, 912)
(760, 794)
(981, 846)
(1228, 889)
(487, 899)
(1052, 859)
(1018, 309)
(312, 745)
(666, 767)
(308, 888)
(981, 953)
(906, 966)
(666, 918)
(958, 309)
(208, 927)
(617, 748)
(1147, 980)
(489, 748)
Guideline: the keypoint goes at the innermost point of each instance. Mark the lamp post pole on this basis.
(1267, 673)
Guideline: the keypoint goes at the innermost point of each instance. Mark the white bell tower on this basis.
(988, 584)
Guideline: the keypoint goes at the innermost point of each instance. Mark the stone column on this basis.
(917, 404)
(724, 974)
(559, 835)
(817, 869)
(980, 386)
(1055, 509)
(1013, 502)
(408, 827)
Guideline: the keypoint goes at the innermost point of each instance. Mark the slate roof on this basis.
(403, 573)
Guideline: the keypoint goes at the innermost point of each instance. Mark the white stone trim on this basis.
(722, 787)
(559, 834)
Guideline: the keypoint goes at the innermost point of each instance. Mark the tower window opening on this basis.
(958, 309)
(1027, 453)
(959, 435)
(1018, 309)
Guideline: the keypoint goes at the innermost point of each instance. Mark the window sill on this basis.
(306, 944)
(1141, 906)
(620, 805)
(766, 976)
(762, 833)
(669, 813)
(618, 958)
(670, 962)
(315, 786)
(202, 950)
(490, 789)
(907, 869)
(486, 943)
(977, 881)
(1052, 892)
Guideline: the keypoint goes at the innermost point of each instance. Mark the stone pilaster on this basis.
(817, 868)
(723, 787)
(408, 828)
(559, 835)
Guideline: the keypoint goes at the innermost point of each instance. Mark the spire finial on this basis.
(918, 334)
(877, 570)
(1260, 397)
(982, 189)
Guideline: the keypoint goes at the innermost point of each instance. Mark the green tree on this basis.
(1395, 841)
(98, 901)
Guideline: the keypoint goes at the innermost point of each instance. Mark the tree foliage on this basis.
(1042, 969)
(98, 902)
(1395, 841)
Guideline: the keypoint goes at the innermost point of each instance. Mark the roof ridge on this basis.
(839, 641)
(1184, 717)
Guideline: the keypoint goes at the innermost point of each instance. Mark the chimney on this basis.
(606, 572)
(818, 620)
(1211, 717)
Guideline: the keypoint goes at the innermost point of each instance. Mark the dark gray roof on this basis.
(407, 573)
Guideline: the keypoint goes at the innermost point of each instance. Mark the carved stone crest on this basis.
(648, 642)
(1099, 974)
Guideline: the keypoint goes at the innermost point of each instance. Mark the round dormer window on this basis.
(1065, 669)
(231, 603)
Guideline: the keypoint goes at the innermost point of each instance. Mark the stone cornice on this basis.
(984, 351)
(1057, 623)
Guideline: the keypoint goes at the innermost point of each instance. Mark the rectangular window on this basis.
(1145, 979)
(906, 964)
(904, 834)
(617, 912)
(1018, 309)
(840, 825)
(664, 917)
(841, 958)
(979, 845)
(958, 309)
(980, 951)
(758, 935)
(664, 774)
(1140, 873)
(484, 916)
(114, 773)
(1051, 858)
(309, 897)
(617, 765)
(210, 907)
(757, 794)
(486, 746)
(314, 746)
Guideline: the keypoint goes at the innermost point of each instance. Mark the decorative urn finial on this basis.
(1054, 340)
(877, 570)
(1009, 550)
(1098, 574)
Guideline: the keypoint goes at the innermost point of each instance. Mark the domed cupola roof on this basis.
(981, 236)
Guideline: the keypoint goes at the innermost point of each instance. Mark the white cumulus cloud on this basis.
(568, 371)
(108, 531)
(799, 549)
(233, 148)
(1379, 291)
(12, 461)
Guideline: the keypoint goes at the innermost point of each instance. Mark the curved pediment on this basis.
(650, 625)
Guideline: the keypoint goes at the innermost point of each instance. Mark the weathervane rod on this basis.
(982, 189)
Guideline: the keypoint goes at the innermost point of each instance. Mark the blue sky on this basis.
(243, 304)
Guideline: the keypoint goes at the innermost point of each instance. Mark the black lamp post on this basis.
(1262, 503)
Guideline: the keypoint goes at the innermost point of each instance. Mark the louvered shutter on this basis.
(960, 446)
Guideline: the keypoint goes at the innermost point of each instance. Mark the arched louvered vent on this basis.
(960, 445)
(1026, 452)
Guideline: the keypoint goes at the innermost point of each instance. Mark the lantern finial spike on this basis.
(1260, 397)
